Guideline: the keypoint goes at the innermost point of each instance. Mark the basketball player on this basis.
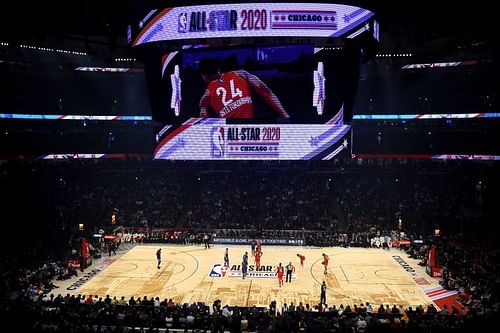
(302, 258)
(280, 270)
(158, 258)
(244, 265)
(325, 262)
(226, 258)
(259, 246)
(253, 246)
(323, 293)
(258, 255)
(229, 94)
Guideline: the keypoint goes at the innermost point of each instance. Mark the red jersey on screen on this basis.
(230, 96)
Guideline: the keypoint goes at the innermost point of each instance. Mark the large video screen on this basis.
(246, 83)
(254, 80)
(251, 102)
(250, 82)
(286, 83)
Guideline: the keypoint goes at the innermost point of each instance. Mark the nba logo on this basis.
(182, 22)
(217, 271)
(217, 144)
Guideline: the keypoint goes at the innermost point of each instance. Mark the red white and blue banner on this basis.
(335, 120)
(79, 156)
(103, 69)
(29, 116)
(426, 116)
(213, 139)
(250, 20)
(440, 64)
(432, 157)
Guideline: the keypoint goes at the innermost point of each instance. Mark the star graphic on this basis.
(283, 18)
(344, 143)
(314, 141)
(327, 18)
(141, 24)
(276, 18)
(332, 18)
(346, 18)
(181, 142)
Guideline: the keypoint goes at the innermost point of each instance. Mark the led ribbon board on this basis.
(250, 20)
(213, 139)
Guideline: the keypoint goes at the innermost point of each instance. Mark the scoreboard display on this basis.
(224, 86)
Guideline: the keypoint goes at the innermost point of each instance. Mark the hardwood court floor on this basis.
(355, 276)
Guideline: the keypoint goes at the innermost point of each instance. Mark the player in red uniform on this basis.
(302, 258)
(229, 94)
(280, 270)
(258, 247)
(258, 255)
(325, 262)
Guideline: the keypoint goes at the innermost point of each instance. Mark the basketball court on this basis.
(192, 274)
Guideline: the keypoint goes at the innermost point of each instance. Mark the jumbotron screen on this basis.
(252, 102)
(286, 83)
(231, 100)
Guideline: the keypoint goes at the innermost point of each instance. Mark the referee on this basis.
(158, 258)
(289, 270)
(206, 240)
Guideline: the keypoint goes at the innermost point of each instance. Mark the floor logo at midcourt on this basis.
(267, 271)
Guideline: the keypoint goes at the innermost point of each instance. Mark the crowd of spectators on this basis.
(471, 265)
(33, 281)
(223, 200)
(262, 201)
(414, 203)
(136, 197)
(353, 199)
(94, 313)
(347, 205)
(295, 201)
